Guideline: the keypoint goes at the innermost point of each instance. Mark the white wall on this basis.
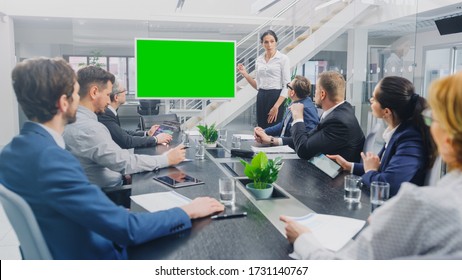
(9, 126)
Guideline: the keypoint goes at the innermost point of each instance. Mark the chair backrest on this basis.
(32, 243)
(370, 144)
(148, 107)
(435, 173)
(147, 121)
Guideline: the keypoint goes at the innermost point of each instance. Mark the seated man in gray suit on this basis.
(299, 91)
(90, 142)
(128, 139)
(338, 131)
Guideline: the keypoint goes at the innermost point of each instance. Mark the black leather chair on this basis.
(148, 107)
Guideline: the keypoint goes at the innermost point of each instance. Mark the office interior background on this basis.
(354, 37)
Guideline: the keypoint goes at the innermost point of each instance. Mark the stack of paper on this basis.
(333, 232)
(245, 137)
(274, 150)
(153, 202)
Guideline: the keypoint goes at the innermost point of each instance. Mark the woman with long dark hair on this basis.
(409, 150)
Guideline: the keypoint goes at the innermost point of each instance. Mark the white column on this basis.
(357, 68)
(9, 121)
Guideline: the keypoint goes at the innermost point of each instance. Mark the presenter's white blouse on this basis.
(417, 221)
(274, 74)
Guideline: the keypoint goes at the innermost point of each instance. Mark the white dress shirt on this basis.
(274, 74)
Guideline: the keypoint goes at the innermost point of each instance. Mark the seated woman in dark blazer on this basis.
(409, 149)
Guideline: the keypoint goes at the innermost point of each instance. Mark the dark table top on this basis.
(251, 237)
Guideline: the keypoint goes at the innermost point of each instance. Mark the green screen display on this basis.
(185, 69)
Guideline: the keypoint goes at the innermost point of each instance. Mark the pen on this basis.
(228, 216)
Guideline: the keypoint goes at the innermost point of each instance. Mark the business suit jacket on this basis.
(310, 118)
(338, 133)
(404, 160)
(76, 218)
(126, 139)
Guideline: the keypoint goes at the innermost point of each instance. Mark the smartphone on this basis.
(326, 165)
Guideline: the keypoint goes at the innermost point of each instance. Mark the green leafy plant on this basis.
(94, 59)
(210, 133)
(261, 170)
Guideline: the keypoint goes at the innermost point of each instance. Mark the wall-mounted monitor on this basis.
(175, 68)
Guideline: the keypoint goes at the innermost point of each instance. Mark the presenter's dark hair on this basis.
(39, 83)
(268, 32)
(92, 75)
(398, 95)
(302, 86)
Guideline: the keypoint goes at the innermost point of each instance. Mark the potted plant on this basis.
(210, 134)
(263, 173)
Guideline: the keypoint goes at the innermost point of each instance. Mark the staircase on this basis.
(302, 32)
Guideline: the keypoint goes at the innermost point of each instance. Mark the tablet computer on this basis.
(178, 179)
(326, 165)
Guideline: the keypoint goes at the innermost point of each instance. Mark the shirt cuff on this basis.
(352, 167)
(280, 141)
(297, 121)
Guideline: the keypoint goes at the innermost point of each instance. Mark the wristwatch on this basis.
(272, 141)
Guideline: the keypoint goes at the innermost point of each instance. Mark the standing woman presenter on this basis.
(272, 76)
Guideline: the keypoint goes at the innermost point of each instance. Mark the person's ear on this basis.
(93, 92)
(63, 103)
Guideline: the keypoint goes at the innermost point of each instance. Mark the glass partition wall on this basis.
(386, 39)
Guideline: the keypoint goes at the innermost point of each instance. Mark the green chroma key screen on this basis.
(185, 68)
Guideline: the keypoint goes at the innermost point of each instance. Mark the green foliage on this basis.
(94, 59)
(210, 133)
(261, 170)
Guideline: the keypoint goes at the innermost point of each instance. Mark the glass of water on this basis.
(222, 135)
(380, 192)
(227, 188)
(236, 142)
(352, 189)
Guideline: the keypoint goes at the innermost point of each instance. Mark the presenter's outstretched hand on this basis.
(164, 138)
(346, 165)
(202, 207)
(176, 155)
(241, 69)
(293, 229)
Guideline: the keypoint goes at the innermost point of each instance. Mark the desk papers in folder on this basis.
(333, 232)
(274, 150)
(153, 202)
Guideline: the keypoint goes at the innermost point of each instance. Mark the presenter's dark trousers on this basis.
(265, 101)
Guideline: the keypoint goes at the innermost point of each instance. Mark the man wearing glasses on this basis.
(90, 142)
(128, 139)
(299, 91)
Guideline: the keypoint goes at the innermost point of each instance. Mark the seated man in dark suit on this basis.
(338, 131)
(127, 139)
(299, 91)
(76, 218)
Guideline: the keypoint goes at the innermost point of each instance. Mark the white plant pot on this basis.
(211, 145)
(260, 193)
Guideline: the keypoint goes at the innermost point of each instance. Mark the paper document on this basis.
(245, 137)
(333, 232)
(274, 150)
(153, 202)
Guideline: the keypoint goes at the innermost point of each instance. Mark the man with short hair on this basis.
(338, 132)
(76, 218)
(91, 143)
(299, 91)
(128, 139)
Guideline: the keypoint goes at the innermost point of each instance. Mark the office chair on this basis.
(148, 107)
(370, 144)
(32, 243)
(435, 173)
(168, 119)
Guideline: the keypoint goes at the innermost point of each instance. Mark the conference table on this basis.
(301, 189)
